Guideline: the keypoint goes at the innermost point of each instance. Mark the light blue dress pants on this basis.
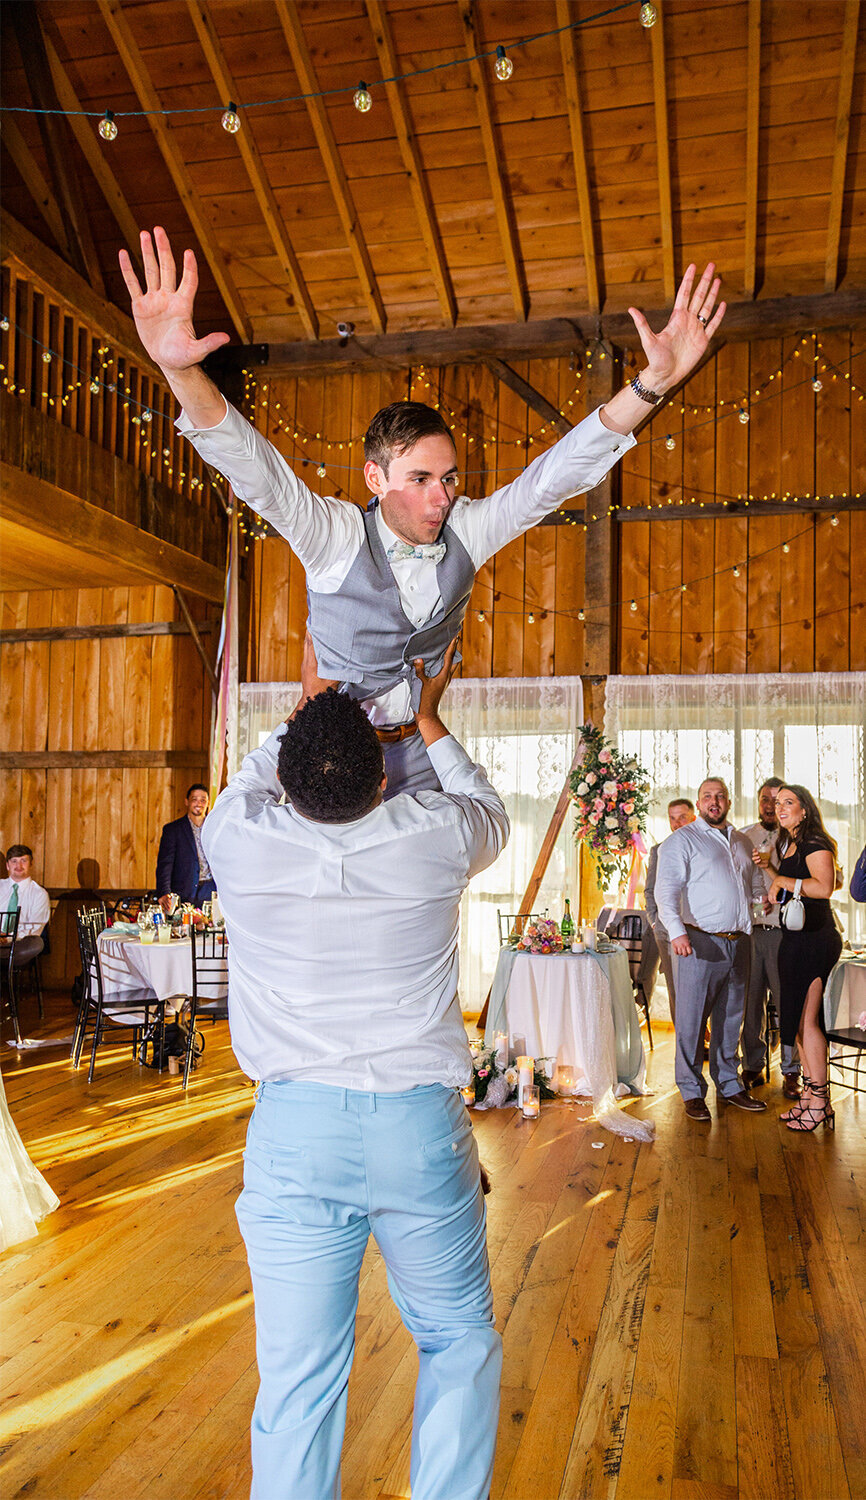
(325, 1168)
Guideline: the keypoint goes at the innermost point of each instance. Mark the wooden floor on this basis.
(680, 1320)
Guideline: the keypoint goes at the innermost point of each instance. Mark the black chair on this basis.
(209, 947)
(512, 923)
(628, 932)
(30, 969)
(9, 927)
(140, 1009)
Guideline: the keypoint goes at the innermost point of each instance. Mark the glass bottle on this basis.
(567, 924)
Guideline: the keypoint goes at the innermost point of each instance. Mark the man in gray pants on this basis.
(705, 883)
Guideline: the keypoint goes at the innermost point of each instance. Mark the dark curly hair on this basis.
(811, 830)
(330, 763)
(398, 427)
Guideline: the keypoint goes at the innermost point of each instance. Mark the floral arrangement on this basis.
(496, 1081)
(611, 797)
(542, 936)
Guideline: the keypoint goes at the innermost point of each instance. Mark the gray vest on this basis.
(362, 636)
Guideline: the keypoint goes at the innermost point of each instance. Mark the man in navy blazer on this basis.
(181, 865)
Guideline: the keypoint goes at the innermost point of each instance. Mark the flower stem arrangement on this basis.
(611, 798)
(496, 1081)
(541, 936)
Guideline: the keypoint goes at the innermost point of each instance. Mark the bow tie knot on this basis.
(434, 551)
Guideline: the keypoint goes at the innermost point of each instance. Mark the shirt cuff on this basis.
(602, 440)
(448, 755)
(188, 429)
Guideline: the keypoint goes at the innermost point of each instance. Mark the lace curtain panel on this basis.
(805, 727)
(523, 731)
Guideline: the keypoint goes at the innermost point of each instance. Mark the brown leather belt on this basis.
(731, 936)
(395, 735)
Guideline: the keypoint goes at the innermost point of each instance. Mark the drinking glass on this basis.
(207, 911)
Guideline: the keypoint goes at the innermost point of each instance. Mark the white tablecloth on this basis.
(127, 964)
(580, 1009)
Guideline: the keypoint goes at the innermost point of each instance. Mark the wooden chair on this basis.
(513, 922)
(209, 947)
(140, 1009)
(627, 930)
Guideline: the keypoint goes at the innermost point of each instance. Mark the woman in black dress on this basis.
(806, 855)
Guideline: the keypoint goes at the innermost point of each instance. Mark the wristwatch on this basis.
(645, 394)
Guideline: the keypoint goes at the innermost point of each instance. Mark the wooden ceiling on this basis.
(612, 156)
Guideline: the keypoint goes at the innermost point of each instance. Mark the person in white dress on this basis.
(25, 1197)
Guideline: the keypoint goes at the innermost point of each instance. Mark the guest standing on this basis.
(181, 863)
(764, 970)
(806, 868)
(704, 885)
(681, 811)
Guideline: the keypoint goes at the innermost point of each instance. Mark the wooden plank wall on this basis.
(800, 610)
(96, 828)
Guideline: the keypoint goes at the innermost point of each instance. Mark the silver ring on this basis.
(702, 320)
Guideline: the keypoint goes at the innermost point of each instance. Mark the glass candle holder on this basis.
(468, 1094)
(531, 1103)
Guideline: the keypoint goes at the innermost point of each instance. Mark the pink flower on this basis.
(605, 756)
(483, 1072)
(594, 817)
(628, 807)
(599, 804)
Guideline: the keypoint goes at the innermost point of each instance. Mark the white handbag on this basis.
(793, 913)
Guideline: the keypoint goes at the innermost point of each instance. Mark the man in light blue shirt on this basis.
(704, 886)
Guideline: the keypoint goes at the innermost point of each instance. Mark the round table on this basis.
(127, 963)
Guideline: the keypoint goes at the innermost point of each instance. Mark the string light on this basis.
(503, 66)
(231, 120)
(736, 570)
(4, 324)
(785, 547)
(648, 15)
(362, 98)
(670, 443)
(321, 471)
(633, 606)
(581, 615)
(47, 356)
(107, 128)
(817, 385)
(481, 617)
(743, 415)
(530, 618)
(834, 520)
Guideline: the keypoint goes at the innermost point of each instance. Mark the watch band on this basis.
(645, 394)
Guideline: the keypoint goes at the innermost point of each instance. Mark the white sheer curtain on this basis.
(805, 727)
(523, 731)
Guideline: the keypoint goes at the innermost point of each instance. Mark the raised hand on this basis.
(684, 339)
(163, 313)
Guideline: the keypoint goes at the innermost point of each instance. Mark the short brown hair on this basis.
(682, 802)
(398, 427)
(19, 851)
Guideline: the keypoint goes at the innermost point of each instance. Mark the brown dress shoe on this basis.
(742, 1100)
(750, 1078)
(791, 1085)
(696, 1109)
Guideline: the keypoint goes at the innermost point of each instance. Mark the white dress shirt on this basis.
(327, 534)
(343, 960)
(33, 904)
(706, 879)
(760, 838)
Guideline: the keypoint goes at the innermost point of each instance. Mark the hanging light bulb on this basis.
(743, 415)
(834, 520)
(817, 385)
(503, 66)
(670, 443)
(321, 471)
(581, 615)
(682, 588)
(107, 128)
(4, 324)
(648, 15)
(785, 547)
(362, 99)
(633, 607)
(481, 617)
(94, 387)
(530, 618)
(147, 416)
(46, 356)
(231, 120)
(736, 571)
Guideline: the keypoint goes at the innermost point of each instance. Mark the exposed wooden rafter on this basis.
(228, 90)
(699, 510)
(840, 148)
(663, 155)
(529, 394)
(29, 171)
(290, 21)
(55, 138)
(753, 125)
(498, 186)
(115, 19)
(94, 153)
(571, 74)
(540, 338)
(408, 145)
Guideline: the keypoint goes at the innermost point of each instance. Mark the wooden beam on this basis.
(663, 157)
(100, 632)
(753, 127)
(795, 506)
(97, 760)
(37, 264)
(544, 338)
(227, 89)
(55, 139)
(571, 75)
(94, 154)
(29, 171)
(199, 645)
(498, 187)
(408, 145)
(115, 17)
(600, 558)
(529, 394)
(293, 30)
(43, 508)
(840, 148)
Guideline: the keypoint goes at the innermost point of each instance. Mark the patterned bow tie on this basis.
(435, 551)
